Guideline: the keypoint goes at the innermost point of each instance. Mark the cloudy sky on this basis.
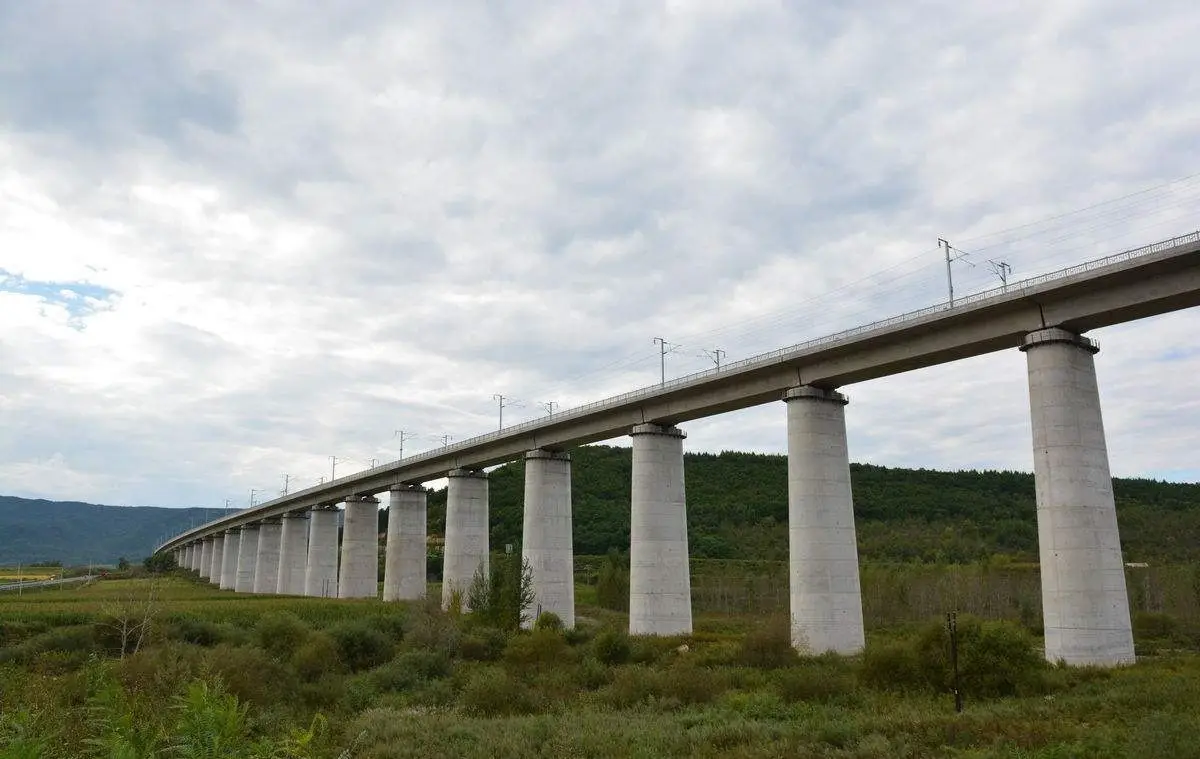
(238, 238)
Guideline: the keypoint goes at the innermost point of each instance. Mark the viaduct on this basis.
(290, 545)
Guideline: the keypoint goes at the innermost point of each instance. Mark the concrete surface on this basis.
(247, 559)
(266, 567)
(404, 569)
(825, 597)
(660, 595)
(546, 536)
(1085, 608)
(293, 554)
(359, 575)
(320, 573)
(467, 533)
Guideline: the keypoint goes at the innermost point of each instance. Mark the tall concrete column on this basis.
(359, 576)
(546, 537)
(467, 533)
(218, 555)
(404, 567)
(266, 566)
(206, 547)
(247, 559)
(195, 556)
(321, 571)
(188, 553)
(826, 598)
(660, 587)
(1085, 608)
(229, 559)
(293, 555)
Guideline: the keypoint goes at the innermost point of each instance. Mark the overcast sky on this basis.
(237, 238)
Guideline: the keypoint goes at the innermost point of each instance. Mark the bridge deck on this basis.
(1133, 284)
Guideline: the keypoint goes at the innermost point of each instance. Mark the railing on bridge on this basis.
(776, 356)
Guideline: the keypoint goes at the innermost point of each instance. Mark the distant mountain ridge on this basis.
(72, 532)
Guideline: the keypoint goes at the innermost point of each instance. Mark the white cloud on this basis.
(319, 228)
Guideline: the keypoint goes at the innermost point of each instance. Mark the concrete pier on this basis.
(320, 573)
(266, 567)
(1085, 607)
(826, 597)
(293, 554)
(404, 569)
(467, 533)
(206, 547)
(229, 559)
(218, 557)
(189, 555)
(546, 537)
(660, 595)
(359, 576)
(247, 559)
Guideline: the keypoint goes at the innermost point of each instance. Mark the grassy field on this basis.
(26, 574)
(265, 676)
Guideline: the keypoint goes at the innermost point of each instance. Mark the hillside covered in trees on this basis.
(737, 508)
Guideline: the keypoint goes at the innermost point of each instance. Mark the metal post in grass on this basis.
(952, 627)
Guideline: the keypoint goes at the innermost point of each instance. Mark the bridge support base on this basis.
(247, 559)
(359, 577)
(229, 559)
(321, 571)
(404, 568)
(826, 597)
(206, 547)
(660, 595)
(266, 566)
(1085, 607)
(546, 537)
(293, 555)
(467, 534)
(218, 558)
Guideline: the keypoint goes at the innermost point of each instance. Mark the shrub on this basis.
(630, 686)
(892, 665)
(280, 634)
(611, 647)
(592, 674)
(361, 646)
(73, 639)
(492, 692)
(317, 657)
(503, 596)
(391, 623)
(995, 659)
(410, 669)
(484, 644)
(428, 627)
(612, 584)
(250, 674)
(548, 620)
(822, 684)
(690, 684)
(1148, 625)
(769, 646)
(190, 629)
(537, 649)
(158, 671)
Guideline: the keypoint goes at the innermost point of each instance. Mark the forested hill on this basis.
(737, 508)
(80, 533)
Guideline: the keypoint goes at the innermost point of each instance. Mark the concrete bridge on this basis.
(290, 545)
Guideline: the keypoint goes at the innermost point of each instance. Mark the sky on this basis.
(237, 239)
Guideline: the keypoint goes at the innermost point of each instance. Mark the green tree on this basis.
(503, 597)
